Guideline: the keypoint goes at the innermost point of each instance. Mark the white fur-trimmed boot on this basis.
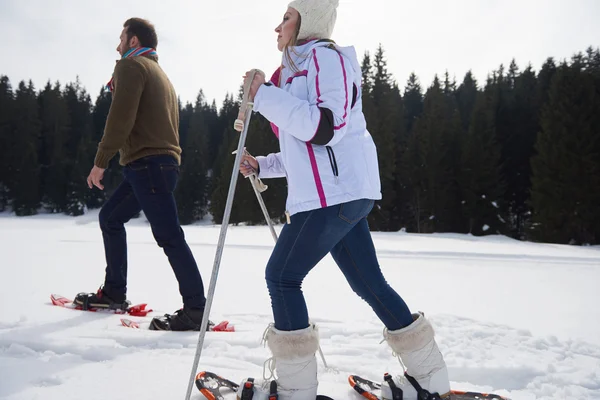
(416, 347)
(294, 365)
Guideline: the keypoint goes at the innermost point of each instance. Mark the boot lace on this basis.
(394, 354)
(270, 362)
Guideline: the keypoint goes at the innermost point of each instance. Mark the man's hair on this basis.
(144, 31)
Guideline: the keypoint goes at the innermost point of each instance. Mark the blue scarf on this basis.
(137, 51)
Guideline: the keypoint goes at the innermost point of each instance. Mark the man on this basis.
(142, 125)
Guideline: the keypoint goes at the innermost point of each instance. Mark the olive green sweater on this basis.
(144, 115)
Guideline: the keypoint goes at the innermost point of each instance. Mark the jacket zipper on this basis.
(332, 162)
(334, 169)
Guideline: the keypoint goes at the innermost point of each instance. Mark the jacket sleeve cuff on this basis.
(102, 159)
(259, 94)
(262, 165)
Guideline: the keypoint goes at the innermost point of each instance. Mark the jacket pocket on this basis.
(333, 163)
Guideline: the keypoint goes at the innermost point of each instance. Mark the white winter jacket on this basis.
(326, 152)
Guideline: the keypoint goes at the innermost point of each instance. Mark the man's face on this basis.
(124, 44)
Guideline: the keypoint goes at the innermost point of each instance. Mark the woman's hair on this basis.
(289, 46)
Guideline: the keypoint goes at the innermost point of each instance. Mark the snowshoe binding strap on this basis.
(185, 319)
(248, 390)
(422, 394)
(396, 391)
(178, 321)
(94, 302)
(85, 300)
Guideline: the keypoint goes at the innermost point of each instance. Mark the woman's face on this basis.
(287, 29)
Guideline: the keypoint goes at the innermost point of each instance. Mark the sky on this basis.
(209, 45)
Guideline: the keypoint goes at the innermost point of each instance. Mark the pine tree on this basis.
(78, 193)
(466, 96)
(408, 151)
(260, 141)
(449, 85)
(24, 152)
(515, 104)
(6, 136)
(191, 189)
(243, 192)
(513, 74)
(593, 61)
(113, 174)
(384, 125)
(214, 133)
(399, 203)
(502, 91)
(454, 136)
(566, 170)
(185, 117)
(80, 149)
(479, 175)
(413, 101)
(429, 169)
(226, 117)
(544, 79)
(410, 181)
(525, 126)
(221, 178)
(244, 201)
(368, 107)
(367, 73)
(222, 169)
(55, 122)
(100, 113)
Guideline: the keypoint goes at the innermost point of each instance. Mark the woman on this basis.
(314, 104)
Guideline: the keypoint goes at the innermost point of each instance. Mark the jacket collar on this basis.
(299, 54)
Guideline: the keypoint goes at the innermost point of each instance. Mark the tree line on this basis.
(518, 154)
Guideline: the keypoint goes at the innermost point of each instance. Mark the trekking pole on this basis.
(260, 187)
(241, 124)
(257, 186)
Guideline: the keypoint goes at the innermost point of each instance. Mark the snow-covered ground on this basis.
(518, 319)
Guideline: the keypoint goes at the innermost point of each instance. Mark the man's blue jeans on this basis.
(343, 231)
(148, 186)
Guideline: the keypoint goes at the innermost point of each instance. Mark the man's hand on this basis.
(95, 176)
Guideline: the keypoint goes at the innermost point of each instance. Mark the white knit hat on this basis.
(317, 18)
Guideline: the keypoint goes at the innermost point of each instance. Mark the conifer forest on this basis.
(516, 155)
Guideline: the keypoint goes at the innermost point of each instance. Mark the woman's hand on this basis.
(259, 79)
(248, 165)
